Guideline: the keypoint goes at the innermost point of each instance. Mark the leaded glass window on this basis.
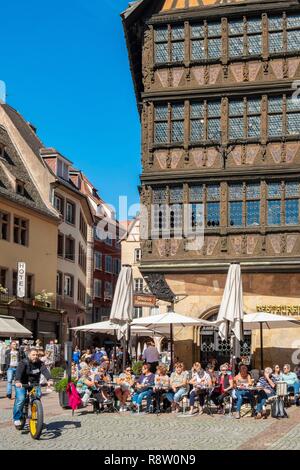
(159, 196)
(177, 134)
(213, 120)
(236, 119)
(292, 194)
(293, 115)
(161, 45)
(292, 211)
(169, 44)
(244, 201)
(236, 191)
(253, 213)
(177, 43)
(254, 36)
(275, 111)
(274, 203)
(253, 204)
(160, 220)
(236, 214)
(236, 38)
(213, 205)
(169, 126)
(161, 124)
(176, 220)
(196, 193)
(254, 117)
(213, 214)
(293, 32)
(275, 34)
(196, 122)
(236, 204)
(197, 42)
(176, 195)
(213, 192)
(274, 208)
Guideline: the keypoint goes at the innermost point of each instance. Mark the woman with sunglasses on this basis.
(125, 388)
(277, 374)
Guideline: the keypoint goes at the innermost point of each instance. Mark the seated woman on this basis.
(201, 382)
(178, 386)
(125, 383)
(267, 387)
(277, 374)
(102, 386)
(144, 387)
(225, 385)
(161, 385)
(242, 382)
(210, 369)
(85, 385)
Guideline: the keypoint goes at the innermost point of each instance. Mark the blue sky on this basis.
(66, 70)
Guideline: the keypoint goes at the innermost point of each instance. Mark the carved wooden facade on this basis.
(176, 79)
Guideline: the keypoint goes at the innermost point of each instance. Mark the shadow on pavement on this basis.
(54, 430)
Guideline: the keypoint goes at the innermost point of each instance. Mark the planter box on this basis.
(64, 400)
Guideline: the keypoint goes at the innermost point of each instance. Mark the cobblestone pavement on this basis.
(150, 432)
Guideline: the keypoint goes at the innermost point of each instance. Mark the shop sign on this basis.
(144, 300)
(280, 309)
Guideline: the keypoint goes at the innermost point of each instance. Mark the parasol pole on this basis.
(172, 352)
(261, 347)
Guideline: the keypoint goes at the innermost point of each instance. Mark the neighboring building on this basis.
(220, 133)
(144, 302)
(105, 253)
(28, 227)
(73, 281)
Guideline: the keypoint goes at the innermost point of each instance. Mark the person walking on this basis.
(12, 359)
(151, 356)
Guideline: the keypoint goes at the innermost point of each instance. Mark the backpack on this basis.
(277, 409)
(74, 397)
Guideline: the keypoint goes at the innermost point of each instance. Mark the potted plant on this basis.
(57, 373)
(61, 387)
(3, 290)
(137, 368)
(42, 298)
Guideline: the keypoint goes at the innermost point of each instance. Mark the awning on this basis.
(10, 327)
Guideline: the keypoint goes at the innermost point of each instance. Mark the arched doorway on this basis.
(212, 345)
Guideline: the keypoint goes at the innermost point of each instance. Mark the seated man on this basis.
(267, 389)
(225, 385)
(144, 388)
(242, 382)
(292, 381)
(178, 385)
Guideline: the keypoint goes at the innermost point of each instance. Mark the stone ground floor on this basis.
(148, 432)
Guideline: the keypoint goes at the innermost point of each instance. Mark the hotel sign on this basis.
(21, 281)
(280, 309)
(140, 300)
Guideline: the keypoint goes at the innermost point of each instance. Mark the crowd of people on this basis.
(162, 391)
(100, 379)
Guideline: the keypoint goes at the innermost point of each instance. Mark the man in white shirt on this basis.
(151, 356)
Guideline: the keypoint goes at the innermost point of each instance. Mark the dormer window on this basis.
(20, 187)
(62, 169)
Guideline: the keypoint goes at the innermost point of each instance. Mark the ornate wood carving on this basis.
(159, 287)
